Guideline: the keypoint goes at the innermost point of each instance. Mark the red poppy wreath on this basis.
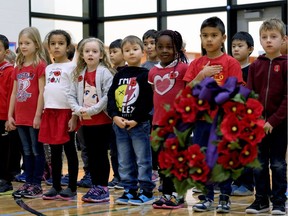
(237, 128)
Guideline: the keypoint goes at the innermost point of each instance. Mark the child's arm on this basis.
(208, 71)
(11, 120)
(40, 103)
(72, 124)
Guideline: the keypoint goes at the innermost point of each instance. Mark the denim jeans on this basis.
(34, 156)
(272, 152)
(134, 146)
(201, 136)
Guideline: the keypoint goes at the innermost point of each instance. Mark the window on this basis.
(75, 29)
(62, 7)
(121, 29)
(126, 7)
(190, 4)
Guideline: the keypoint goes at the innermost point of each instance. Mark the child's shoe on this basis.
(113, 183)
(51, 194)
(242, 191)
(142, 198)
(204, 204)
(19, 192)
(67, 194)
(174, 202)
(65, 180)
(260, 205)
(127, 195)
(159, 203)
(49, 182)
(86, 181)
(278, 209)
(5, 187)
(21, 177)
(224, 204)
(96, 194)
(34, 191)
(119, 186)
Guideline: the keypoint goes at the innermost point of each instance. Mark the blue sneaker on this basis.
(65, 180)
(242, 191)
(127, 195)
(49, 181)
(142, 198)
(96, 194)
(86, 181)
(21, 177)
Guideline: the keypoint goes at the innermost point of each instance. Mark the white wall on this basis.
(14, 16)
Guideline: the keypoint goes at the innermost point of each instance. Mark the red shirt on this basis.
(91, 99)
(27, 92)
(6, 84)
(231, 67)
(167, 83)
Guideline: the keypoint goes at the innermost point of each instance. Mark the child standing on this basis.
(242, 47)
(217, 64)
(268, 77)
(58, 124)
(148, 39)
(117, 59)
(88, 99)
(167, 80)
(129, 103)
(6, 83)
(27, 91)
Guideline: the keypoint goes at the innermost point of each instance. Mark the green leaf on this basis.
(182, 136)
(208, 118)
(182, 186)
(236, 173)
(219, 174)
(254, 164)
(238, 98)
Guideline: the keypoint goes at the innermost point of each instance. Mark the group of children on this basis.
(116, 101)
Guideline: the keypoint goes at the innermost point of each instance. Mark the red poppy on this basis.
(229, 159)
(169, 120)
(234, 107)
(248, 154)
(185, 93)
(254, 108)
(187, 109)
(201, 173)
(231, 127)
(80, 78)
(253, 131)
(224, 145)
(166, 160)
(171, 144)
(194, 155)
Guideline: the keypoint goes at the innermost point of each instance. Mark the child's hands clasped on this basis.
(120, 121)
(124, 123)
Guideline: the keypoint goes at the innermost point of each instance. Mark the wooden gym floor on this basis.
(11, 207)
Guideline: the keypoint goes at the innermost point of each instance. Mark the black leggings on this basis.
(72, 159)
(97, 139)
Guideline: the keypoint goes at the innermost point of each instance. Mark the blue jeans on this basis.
(201, 136)
(34, 156)
(272, 152)
(134, 146)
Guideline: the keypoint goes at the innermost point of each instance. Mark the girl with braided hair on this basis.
(167, 80)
